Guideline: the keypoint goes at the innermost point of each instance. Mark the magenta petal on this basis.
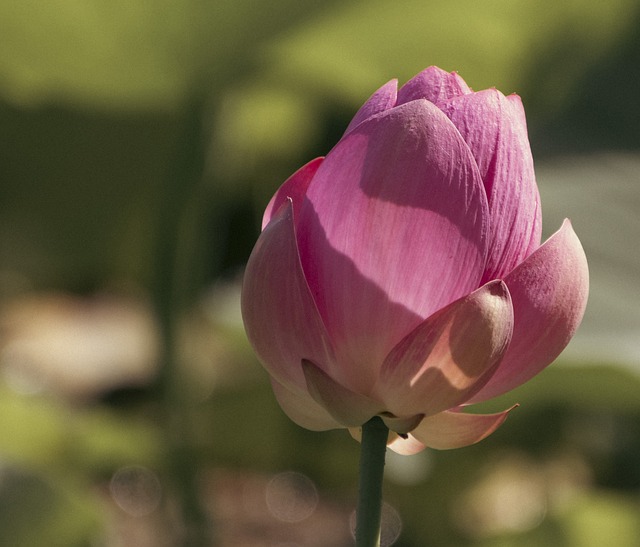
(381, 100)
(449, 356)
(456, 429)
(303, 409)
(294, 188)
(394, 227)
(433, 84)
(279, 313)
(346, 407)
(493, 126)
(549, 293)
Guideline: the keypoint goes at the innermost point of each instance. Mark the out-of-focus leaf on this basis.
(35, 510)
(603, 519)
(40, 433)
(132, 55)
(353, 50)
(606, 388)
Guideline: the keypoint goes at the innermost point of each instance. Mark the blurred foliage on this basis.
(129, 56)
(93, 96)
(574, 424)
(95, 99)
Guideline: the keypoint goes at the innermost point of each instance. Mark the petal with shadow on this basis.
(346, 407)
(549, 291)
(279, 314)
(449, 356)
(303, 409)
(394, 227)
(493, 126)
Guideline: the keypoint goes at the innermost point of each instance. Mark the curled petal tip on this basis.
(293, 190)
(452, 429)
(549, 292)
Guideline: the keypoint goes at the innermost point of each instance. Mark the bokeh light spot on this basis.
(390, 525)
(136, 490)
(291, 496)
(408, 470)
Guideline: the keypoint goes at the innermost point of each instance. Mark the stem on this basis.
(173, 265)
(368, 514)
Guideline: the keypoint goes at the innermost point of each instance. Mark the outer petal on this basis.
(394, 227)
(405, 445)
(549, 292)
(294, 188)
(302, 409)
(456, 429)
(493, 126)
(346, 407)
(278, 311)
(449, 356)
(381, 100)
(433, 84)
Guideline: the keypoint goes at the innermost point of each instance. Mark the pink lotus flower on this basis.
(403, 276)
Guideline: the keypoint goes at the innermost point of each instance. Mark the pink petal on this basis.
(401, 424)
(294, 188)
(302, 409)
(433, 84)
(449, 356)
(381, 100)
(405, 445)
(279, 313)
(393, 228)
(346, 407)
(452, 429)
(549, 293)
(493, 126)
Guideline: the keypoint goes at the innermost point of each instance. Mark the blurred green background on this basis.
(139, 144)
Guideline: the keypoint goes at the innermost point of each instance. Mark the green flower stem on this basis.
(368, 514)
(171, 291)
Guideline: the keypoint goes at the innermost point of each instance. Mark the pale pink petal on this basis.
(549, 293)
(302, 409)
(433, 84)
(452, 429)
(405, 445)
(394, 227)
(381, 100)
(345, 406)
(294, 188)
(449, 356)
(280, 316)
(493, 127)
